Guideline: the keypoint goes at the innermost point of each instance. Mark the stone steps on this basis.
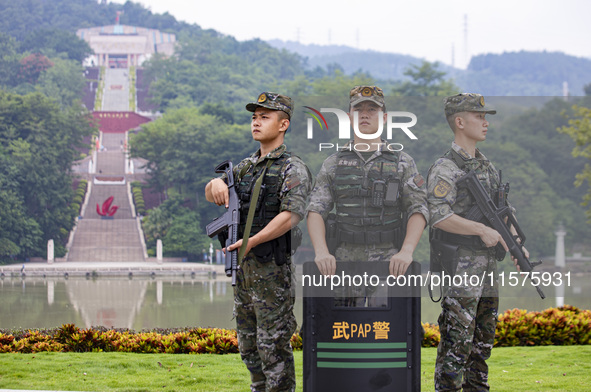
(117, 239)
(100, 193)
(106, 240)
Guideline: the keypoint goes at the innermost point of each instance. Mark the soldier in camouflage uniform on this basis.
(263, 298)
(367, 228)
(469, 313)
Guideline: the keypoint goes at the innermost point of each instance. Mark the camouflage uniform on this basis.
(379, 165)
(469, 313)
(322, 201)
(263, 297)
(413, 193)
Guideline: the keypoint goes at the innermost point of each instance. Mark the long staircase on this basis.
(116, 238)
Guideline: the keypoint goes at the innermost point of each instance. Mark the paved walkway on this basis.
(118, 239)
(106, 240)
(116, 94)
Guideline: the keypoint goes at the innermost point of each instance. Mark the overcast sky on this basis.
(430, 29)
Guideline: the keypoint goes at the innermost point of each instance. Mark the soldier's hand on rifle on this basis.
(236, 246)
(327, 264)
(491, 238)
(219, 192)
(399, 263)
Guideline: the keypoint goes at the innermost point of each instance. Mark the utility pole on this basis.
(466, 51)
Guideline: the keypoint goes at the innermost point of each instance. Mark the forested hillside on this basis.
(526, 74)
(201, 92)
(38, 141)
(39, 53)
(42, 129)
(210, 67)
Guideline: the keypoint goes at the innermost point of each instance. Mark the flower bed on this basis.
(566, 325)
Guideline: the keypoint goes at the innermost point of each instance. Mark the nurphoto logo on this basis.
(393, 121)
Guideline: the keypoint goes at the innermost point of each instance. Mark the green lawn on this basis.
(554, 368)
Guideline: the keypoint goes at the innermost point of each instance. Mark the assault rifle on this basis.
(501, 219)
(226, 226)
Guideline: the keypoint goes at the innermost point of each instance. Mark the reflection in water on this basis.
(159, 292)
(115, 302)
(107, 302)
(50, 292)
(168, 302)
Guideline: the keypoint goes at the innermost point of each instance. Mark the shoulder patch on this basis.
(441, 189)
(292, 183)
(419, 180)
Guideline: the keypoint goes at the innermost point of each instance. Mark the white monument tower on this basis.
(559, 261)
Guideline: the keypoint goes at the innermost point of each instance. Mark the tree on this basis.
(209, 67)
(156, 224)
(218, 110)
(426, 81)
(185, 237)
(20, 235)
(51, 42)
(337, 84)
(183, 147)
(32, 66)
(299, 86)
(579, 130)
(9, 60)
(38, 146)
(63, 82)
(178, 227)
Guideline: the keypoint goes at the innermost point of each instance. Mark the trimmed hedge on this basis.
(99, 91)
(138, 198)
(563, 326)
(78, 200)
(566, 325)
(132, 89)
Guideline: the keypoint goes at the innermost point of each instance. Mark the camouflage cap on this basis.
(360, 94)
(272, 101)
(466, 102)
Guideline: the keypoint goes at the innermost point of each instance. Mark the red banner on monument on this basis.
(118, 122)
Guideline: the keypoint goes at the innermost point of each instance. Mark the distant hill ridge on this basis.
(379, 64)
(510, 73)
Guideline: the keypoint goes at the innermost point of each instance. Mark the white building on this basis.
(122, 46)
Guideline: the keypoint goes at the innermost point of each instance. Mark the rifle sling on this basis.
(251, 209)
